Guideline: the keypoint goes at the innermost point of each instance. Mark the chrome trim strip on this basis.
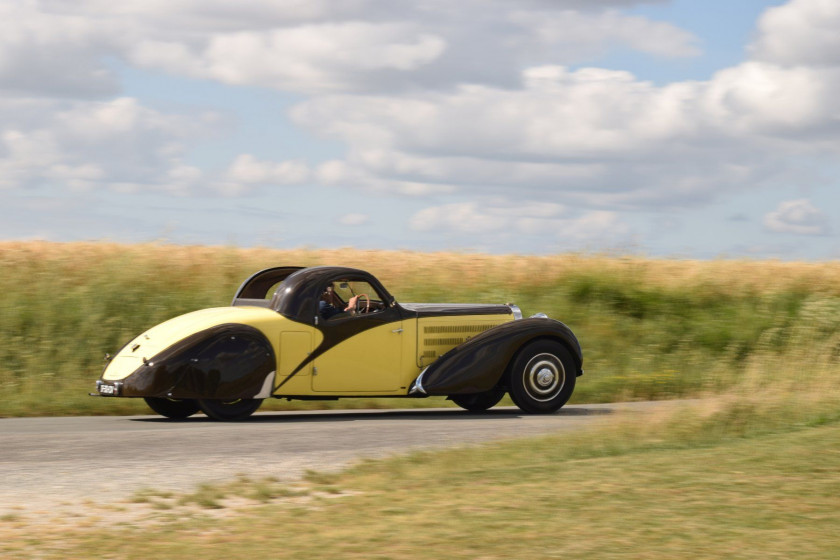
(417, 386)
(267, 387)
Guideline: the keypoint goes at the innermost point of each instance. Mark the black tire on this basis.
(229, 410)
(479, 402)
(542, 377)
(177, 409)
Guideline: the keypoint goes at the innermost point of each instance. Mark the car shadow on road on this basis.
(345, 415)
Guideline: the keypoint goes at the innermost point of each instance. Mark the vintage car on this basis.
(291, 333)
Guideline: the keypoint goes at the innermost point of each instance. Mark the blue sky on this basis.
(686, 129)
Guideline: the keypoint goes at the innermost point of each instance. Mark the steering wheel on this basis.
(359, 303)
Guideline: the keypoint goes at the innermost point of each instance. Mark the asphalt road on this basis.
(68, 460)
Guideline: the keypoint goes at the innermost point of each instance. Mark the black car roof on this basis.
(301, 291)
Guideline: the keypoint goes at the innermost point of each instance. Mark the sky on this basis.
(664, 128)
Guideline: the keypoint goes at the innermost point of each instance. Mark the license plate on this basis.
(108, 390)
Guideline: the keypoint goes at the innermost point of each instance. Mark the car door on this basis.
(360, 353)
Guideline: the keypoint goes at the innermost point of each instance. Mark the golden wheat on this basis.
(736, 276)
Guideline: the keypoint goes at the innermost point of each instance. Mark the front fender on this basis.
(479, 364)
(229, 361)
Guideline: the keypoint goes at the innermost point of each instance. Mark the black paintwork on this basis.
(300, 293)
(449, 309)
(480, 363)
(227, 361)
(257, 285)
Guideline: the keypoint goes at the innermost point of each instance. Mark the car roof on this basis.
(301, 291)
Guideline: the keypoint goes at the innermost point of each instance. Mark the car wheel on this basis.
(177, 409)
(479, 402)
(542, 377)
(229, 410)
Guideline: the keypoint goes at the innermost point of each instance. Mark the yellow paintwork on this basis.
(367, 363)
(437, 335)
(164, 335)
(384, 360)
(381, 361)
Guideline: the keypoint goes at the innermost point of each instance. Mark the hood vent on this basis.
(439, 339)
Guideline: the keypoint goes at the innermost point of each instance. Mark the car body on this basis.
(287, 335)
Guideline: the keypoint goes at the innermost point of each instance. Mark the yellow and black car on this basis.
(330, 332)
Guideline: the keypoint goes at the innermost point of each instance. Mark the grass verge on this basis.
(748, 474)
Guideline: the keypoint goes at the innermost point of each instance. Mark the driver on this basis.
(327, 305)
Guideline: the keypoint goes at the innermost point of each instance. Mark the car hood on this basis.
(439, 309)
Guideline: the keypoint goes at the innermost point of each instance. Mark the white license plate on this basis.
(107, 390)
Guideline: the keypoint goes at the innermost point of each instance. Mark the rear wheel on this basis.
(229, 410)
(177, 409)
(543, 377)
(479, 402)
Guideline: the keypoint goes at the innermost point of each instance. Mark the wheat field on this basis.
(650, 328)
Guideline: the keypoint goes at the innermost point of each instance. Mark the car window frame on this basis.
(346, 315)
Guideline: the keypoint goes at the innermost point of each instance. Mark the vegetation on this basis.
(749, 470)
(650, 329)
(751, 473)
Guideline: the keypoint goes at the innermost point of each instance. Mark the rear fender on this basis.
(479, 364)
(230, 361)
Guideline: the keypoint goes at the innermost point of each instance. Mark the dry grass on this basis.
(650, 328)
(734, 276)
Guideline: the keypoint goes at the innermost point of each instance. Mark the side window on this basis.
(339, 295)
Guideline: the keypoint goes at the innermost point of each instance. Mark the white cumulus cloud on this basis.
(497, 219)
(800, 33)
(117, 144)
(248, 169)
(798, 217)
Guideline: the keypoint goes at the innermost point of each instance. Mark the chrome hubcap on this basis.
(544, 377)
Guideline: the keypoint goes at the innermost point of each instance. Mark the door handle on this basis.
(397, 331)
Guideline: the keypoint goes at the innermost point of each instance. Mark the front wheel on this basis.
(177, 409)
(229, 410)
(479, 402)
(543, 377)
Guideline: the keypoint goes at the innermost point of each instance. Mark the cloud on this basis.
(591, 136)
(502, 218)
(353, 219)
(50, 54)
(52, 48)
(249, 170)
(433, 48)
(83, 145)
(428, 99)
(799, 217)
(763, 99)
(348, 56)
(799, 33)
(310, 58)
(578, 35)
